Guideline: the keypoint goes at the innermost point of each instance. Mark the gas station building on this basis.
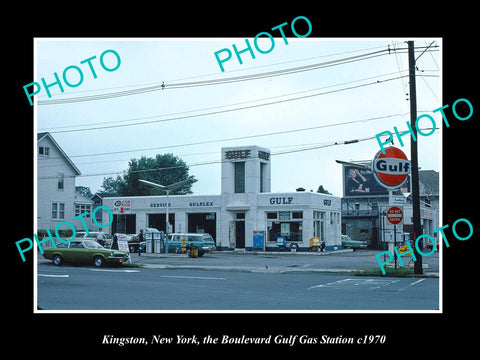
(245, 216)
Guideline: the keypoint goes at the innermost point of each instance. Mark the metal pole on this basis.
(395, 244)
(417, 268)
(166, 226)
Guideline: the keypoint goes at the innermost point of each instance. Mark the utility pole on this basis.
(417, 229)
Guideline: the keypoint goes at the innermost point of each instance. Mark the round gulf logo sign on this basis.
(392, 168)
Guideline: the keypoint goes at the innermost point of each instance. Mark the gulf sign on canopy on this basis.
(391, 168)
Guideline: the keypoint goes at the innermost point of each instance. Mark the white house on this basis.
(57, 200)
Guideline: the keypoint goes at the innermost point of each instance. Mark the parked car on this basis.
(348, 243)
(133, 243)
(84, 251)
(93, 235)
(203, 242)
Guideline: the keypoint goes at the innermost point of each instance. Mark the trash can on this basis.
(293, 247)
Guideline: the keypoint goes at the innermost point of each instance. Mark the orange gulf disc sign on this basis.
(391, 169)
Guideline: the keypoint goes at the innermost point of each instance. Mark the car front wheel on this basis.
(57, 260)
(98, 261)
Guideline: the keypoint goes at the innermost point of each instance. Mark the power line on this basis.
(256, 76)
(232, 71)
(234, 109)
(323, 145)
(207, 82)
(244, 137)
(309, 148)
(86, 127)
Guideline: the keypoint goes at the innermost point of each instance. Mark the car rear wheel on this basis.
(98, 261)
(57, 260)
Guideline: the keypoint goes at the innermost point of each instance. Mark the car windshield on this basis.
(92, 244)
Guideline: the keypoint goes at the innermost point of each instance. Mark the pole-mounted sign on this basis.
(392, 168)
(395, 215)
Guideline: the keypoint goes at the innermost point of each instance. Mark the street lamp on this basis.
(167, 189)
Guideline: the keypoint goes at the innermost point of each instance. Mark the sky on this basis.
(298, 116)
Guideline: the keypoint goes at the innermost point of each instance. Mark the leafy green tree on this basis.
(110, 185)
(84, 190)
(163, 169)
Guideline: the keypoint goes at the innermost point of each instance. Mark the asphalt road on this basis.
(120, 288)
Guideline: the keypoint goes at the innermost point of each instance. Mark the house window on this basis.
(60, 182)
(43, 150)
(80, 209)
(58, 211)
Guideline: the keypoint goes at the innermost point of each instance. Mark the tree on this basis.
(110, 185)
(321, 190)
(164, 169)
(84, 190)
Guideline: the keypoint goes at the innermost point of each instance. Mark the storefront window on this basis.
(292, 230)
(285, 223)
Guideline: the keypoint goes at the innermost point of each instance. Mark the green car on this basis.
(203, 242)
(347, 242)
(84, 251)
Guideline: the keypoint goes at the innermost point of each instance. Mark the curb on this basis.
(253, 253)
(252, 269)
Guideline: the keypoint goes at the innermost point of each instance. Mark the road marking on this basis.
(416, 282)
(192, 277)
(107, 270)
(58, 276)
(386, 282)
(371, 283)
(409, 285)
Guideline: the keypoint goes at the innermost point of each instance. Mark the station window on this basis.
(239, 177)
(240, 216)
(272, 215)
(285, 223)
(297, 215)
(291, 230)
(263, 167)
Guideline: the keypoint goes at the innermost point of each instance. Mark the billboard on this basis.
(361, 182)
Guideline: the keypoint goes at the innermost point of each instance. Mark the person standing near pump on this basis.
(100, 236)
(141, 238)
